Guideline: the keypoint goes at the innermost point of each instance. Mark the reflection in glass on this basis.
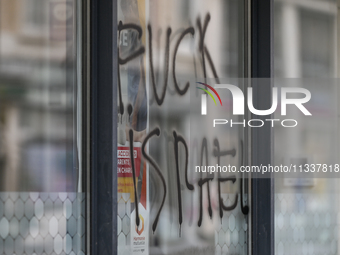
(306, 210)
(164, 48)
(41, 197)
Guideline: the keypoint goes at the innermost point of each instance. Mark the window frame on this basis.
(103, 122)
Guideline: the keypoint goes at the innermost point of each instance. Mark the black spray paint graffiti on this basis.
(204, 52)
(204, 154)
(133, 167)
(218, 153)
(205, 180)
(190, 30)
(132, 56)
(180, 139)
(166, 63)
(154, 132)
(181, 92)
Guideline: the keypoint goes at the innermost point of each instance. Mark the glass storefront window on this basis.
(42, 197)
(306, 48)
(164, 206)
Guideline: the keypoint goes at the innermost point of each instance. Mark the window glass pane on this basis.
(306, 47)
(164, 45)
(41, 193)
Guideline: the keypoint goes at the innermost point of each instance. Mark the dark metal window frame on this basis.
(103, 180)
(103, 121)
(262, 190)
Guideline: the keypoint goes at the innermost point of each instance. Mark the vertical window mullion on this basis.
(261, 67)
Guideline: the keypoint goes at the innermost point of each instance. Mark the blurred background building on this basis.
(40, 193)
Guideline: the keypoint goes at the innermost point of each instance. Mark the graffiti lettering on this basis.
(178, 139)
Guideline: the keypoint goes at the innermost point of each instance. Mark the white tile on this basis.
(53, 226)
(39, 209)
(58, 244)
(34, 227)
(4, 228)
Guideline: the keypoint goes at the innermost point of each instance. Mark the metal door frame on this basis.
(103, 121)
(103, 181)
